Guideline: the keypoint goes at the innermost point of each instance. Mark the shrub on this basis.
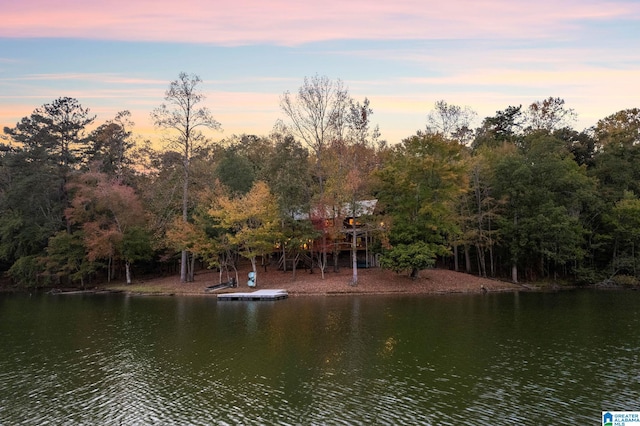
(26, 272)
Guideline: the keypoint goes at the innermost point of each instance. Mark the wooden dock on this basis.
(255, 295)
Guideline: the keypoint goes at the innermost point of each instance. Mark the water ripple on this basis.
(177, 362)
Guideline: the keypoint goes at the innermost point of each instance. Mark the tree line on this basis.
(523, 196)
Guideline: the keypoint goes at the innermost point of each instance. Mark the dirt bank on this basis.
(370, 281)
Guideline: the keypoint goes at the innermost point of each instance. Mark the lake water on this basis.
(528, 358)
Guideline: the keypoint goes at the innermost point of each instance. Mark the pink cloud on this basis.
(292, 22)
(91, 77)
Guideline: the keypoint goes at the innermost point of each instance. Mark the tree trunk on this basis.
(414, 273)
(456, 263)
(354, 255)
(255, 272)
(184, 270)
(322, 262)
(183, 266)
(284, 259)
(482, 259)
(467, 259)
(633, 257)
(514, 266)
(294, 264)
(493, 266)
(192, 268)
(322, 258)
(127, 269)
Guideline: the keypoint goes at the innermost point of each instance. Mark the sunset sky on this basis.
(404, 55)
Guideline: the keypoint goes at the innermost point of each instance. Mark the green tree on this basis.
(31, 208)
(411, 257)
(418, 189)
(581, 144)
(625, 221)
(286, 172)
(505, 127)
(617, 162)
(110, 144)
(545, 194)
(479, 211)
(235, 170)
(46, 148)
(28, 271)
(66, 258)
(58, 128)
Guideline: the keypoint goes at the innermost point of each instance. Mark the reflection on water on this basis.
(458, 360)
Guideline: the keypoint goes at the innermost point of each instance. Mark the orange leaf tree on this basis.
(112, 220)
(250, 221)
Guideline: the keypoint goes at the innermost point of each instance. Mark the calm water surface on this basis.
(531, 359)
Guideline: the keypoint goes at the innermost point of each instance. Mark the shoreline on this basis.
(372, 281)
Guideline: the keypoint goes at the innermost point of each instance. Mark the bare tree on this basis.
(451, 121)
(184, 117)
(316, 115)
(550, 115)
(359, 121)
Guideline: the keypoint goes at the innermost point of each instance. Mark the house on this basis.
(339, 226)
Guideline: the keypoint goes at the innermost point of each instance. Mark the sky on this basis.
(403, 55)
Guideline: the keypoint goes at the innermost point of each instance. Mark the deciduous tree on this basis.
(545, 194)
(451, 121)
(251, 221)
(316, 115)
(184, 116)
(353, 161)
(418, 190)
(66, 258)
(617, 161)
(287, 172)
(625, 221)
(112, 219)
(549, 115)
